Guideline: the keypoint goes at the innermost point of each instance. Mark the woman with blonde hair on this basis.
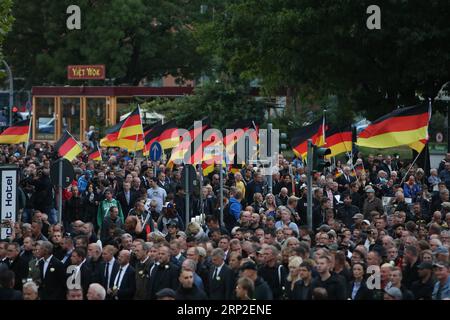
(293, 276)
(270, 205)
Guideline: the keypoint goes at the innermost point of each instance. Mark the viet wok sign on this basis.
(86, 72)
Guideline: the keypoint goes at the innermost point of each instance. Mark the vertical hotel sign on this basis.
(8, 199)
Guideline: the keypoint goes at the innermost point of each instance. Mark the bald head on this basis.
(124, 257)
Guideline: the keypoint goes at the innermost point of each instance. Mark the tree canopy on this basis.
(135, 39)
(317, 48)
(6, 20)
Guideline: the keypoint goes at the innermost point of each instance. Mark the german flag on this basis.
(232, 140)
(418, 145)
(315, 131)
(403, 126)
(130, 143)
(17, 133)
(95, 155)
(338, 140)
(213, 153)
(132, 125)
(67, 147)
(179, 153)
(166, 134)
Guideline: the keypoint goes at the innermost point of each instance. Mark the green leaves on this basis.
(135, 39)
(6, 20)
(222, 102)
(320, 48)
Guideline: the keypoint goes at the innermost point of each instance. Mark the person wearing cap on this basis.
(422, 289)
(441, 288)
(393, 293)
(165, 294)
(357, 221)
(441, 254)
(347, 210)
(156, 193)
(371, 203)
(169, 214)
(262, 289)
(172, 230)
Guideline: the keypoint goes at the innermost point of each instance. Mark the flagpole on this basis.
(60, 169)
(412, 164)
(28, 141)
(81, 146)
(323, 127)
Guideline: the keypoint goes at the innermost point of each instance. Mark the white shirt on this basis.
(159, 195)
(119, 276)
(46, 263)
(217, 270)
(110, 267)
(78, 267)
(153, 267)
(178, 256)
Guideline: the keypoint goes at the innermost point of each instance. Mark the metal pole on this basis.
(309, 186)
(269, 154)
(221, 194)
(186, 197)
(11, 91)
(60, 190)
(448, 128)
(247, 151)
(201, 186)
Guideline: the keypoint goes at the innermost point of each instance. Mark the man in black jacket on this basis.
(422, 289)
(410, 271)
(142, 267)
(346, 211)
(262, 289)
(163, 274)
(328, 281)
(52, 271)
(272, 272)
(188, 290)
(302, 289)
(6, 286)
(109, 269)
(127, 198)
(17, 264)
(125, 281)
(80, 270)
(345, 180)
(221, 277)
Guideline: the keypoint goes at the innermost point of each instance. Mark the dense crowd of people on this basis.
(380, 231)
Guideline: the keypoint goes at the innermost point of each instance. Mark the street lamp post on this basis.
(11, 91)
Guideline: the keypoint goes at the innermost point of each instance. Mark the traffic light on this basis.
(319, 161)
(283, 141)
(16, 116)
